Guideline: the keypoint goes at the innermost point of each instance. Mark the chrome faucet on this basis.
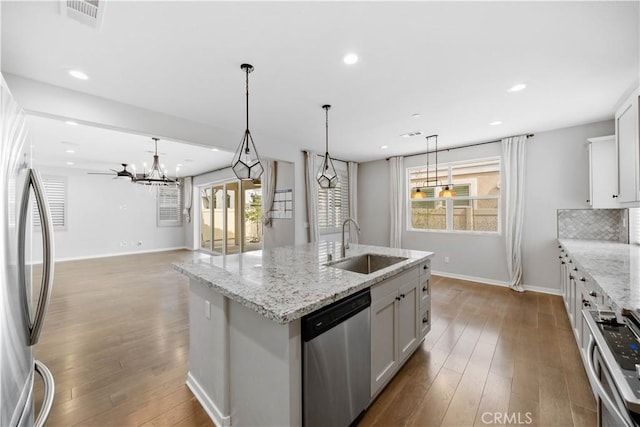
(345, 245)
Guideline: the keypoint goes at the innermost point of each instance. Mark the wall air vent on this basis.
(88, 12)
(411, 134)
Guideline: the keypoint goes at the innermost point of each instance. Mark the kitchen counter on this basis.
(285, 283)
(615, 267)
(245, 317)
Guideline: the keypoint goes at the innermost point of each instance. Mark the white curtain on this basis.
(352, 170)
(513, 157)
(396, 180)
(311, 187)
(268, 183)
(187, 193)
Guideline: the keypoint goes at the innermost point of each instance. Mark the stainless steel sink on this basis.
(367, 263)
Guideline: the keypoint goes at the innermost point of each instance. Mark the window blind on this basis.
(169, 206)
(333, 204)
(56, 192)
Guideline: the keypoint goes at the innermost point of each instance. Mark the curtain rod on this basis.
(457, 147)
(332, 158)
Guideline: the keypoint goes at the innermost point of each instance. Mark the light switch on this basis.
(207, 309)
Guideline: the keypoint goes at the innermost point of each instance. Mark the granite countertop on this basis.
(614, 266)
(285, 283)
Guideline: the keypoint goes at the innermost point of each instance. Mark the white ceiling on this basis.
(452, 62)
(102, 150)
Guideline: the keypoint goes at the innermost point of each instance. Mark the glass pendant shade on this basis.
(246, 161)
(418, 194)
(447, 192)
(327, 176)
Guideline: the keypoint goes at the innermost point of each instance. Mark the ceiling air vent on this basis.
(410, 134)
(88, 12)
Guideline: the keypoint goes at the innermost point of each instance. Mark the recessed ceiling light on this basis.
(214, 149)
(496, 123)
(415, 115)
(179, 164)
(384, 147)
(71, 123)
(70, 163)
(517, 88)
(70, 151)
(78, 74)
(350, 58)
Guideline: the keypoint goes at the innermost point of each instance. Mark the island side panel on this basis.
(266, 369)
(208, 376)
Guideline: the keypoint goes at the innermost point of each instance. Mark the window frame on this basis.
(448, 202)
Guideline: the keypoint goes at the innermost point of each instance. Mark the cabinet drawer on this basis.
(425, 320)
(392, 284)
(425, 293)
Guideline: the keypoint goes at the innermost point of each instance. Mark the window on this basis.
(55, 188)
(169, 206)
(474, 208)
(333, 204)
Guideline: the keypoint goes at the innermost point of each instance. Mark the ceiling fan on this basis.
(124, 173)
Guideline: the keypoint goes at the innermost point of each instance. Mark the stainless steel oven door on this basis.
(612, 411)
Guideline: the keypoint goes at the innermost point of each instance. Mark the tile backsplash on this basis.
(593, 224)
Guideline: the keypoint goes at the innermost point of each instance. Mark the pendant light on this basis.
(418, 194)
(246, 162)
(155, 176)
(448, 189)
(447, 192)
(327, 176)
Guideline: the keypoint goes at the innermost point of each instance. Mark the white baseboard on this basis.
(208, 405)
(494, 282)
(120, 254)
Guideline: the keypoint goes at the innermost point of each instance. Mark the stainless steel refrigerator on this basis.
(23, 303)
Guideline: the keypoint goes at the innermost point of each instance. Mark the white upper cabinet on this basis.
(603, 172)
(628, 140)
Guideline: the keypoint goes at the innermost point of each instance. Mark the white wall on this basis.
(107, 216)
(556, 178)
(53, 101)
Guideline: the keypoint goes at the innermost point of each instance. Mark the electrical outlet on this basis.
(446, 260)
(139, 242)
(207, 309)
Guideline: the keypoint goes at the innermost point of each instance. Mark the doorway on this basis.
(230, 217)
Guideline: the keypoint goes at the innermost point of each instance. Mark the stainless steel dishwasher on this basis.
(336, 362)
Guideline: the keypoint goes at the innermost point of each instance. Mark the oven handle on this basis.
(591, 371)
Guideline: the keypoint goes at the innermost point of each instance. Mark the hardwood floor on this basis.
(116, 340)
(493, 357)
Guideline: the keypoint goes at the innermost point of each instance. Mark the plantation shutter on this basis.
(169, 206)
(333, 204)
(55, 189)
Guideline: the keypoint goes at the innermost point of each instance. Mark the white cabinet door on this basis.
(408, 319)
(603, 173)
(628, 156)
(384, 347)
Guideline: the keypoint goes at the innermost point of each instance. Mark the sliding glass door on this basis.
(230, 217)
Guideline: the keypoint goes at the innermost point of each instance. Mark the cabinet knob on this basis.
(563, 263)
(425, 320)
(397, 298)
(586, 303)
(588, 201)
(571, 277)
(593, 294)
(425, 267)
(582, 279)
(575, 268)
(615, 196)
(402, 295)
(559, 246)
(560, 256)
(425, 289)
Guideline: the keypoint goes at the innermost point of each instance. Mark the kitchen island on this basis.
(245, 324)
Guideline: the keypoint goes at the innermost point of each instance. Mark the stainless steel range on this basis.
(613, 366)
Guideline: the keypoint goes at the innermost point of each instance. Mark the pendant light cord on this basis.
(247, 94)
(326, 131)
